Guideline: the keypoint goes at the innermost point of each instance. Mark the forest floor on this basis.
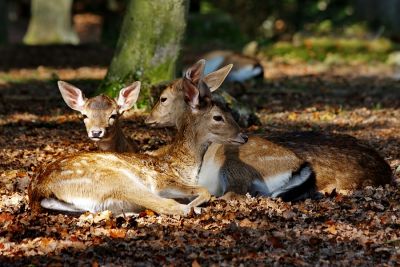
(361, 229)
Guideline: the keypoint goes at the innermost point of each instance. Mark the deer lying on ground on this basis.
(259, 167)
(292, 166)
(244, 67)
(130, 182)
(101, 115)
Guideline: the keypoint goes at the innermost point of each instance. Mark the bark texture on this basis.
(148, 45)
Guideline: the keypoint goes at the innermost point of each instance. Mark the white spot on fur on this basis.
(108, 157)
(275, 158)
(79, 172)
(84, 162)
(76, 164)
(66, 172)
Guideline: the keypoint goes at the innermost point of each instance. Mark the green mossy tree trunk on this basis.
(3, 22)
(50, 23)
(148, 45)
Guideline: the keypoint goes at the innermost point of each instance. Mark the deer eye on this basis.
(163, 99)
(113, 117)
(84, 116)
(218, 118)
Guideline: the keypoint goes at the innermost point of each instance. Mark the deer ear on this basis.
(195, 72)
(215, 78)
(128, 96)
(191, 94)
(72, 96)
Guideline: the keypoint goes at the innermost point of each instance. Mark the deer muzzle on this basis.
(239, 139)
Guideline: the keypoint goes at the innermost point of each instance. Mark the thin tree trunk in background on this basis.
(50, 23)
(3, 22)
(148, 45)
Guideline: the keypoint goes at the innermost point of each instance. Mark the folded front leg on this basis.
(177, 190)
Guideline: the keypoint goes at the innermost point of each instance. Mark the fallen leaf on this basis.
(195, 263)
(117, 233)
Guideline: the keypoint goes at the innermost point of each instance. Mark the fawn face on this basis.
(171, 103)
(218, 126)
(211, 122)
(101, 113)
(168, 107)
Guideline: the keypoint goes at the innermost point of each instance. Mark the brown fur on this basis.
(339, 161)
(99, 109)
(139, 180)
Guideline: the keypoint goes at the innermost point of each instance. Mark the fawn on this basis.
(127, 182)
(101, 115)
(244, 67)
(289, 165)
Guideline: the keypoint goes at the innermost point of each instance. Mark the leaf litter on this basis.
(359, 229)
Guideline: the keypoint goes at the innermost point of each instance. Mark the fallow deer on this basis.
(244, 67)
(101, 115)
(291, 163)
(259, 167)
(127, 182)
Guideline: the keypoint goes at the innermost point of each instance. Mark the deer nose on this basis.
(149, 120)
(97, 134)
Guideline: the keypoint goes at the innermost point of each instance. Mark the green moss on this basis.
(148, 46)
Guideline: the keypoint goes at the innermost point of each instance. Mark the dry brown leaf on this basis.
(6, 217)
(195, 263)
(117, 233)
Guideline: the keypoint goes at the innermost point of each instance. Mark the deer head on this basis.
(171, 103)
(210, 122)
(100, 113)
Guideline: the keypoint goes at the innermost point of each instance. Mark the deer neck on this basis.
(186, 153)
(117, 142)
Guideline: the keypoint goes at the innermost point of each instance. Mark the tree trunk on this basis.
(148, 45)
(3, 22)
(50, 23)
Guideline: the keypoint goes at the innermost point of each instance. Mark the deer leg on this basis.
(159, 204)
(177, 190)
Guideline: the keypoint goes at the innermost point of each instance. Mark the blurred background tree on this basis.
(50, 23)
